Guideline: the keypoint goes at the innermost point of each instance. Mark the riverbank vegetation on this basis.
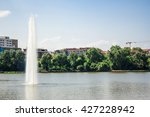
(12, 60)
(93, 60)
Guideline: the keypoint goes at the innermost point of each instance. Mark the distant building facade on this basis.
(6, 42)
(2, 49)
(68, 51)
(147, 50)
(78, 51)
(39, 51)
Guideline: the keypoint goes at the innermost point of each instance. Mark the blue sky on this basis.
(78, 23)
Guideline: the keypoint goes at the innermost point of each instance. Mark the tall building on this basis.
(6, 42)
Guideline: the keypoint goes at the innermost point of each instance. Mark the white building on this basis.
(6, 42)
(68, 51)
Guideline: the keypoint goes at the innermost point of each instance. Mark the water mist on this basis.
(31, 54)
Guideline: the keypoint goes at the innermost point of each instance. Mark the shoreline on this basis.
(113, 71)
(11, 72)
(130, 71)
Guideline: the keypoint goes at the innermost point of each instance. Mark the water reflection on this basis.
(130, 91)
(77, 86)
(31, 92)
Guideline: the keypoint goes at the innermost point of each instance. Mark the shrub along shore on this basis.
(113, 71)
(117, 59)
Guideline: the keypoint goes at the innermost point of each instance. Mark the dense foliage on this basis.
(93, 60)
(128, 59)
(12, 60)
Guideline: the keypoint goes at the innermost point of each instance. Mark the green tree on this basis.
(87, 66)
(148, 63)
(120, 58)
(115, 57)
(127, 59)
(45, 61)
(74, 61)
(12, 54)
(1, 64)
(93, 67)
(104, 66)
(94, 55)
(12, 60)
(80, 62)
(20, 61)
(139, 59)
(80, 68)
(80, 59)
(5, 61)
(60, 62)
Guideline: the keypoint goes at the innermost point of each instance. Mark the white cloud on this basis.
(51, 43)
(47, 40)
(98, 43)
(4, 13)
(102, 44)
(60, 42)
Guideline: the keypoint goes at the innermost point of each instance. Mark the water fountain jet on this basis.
(31, 60)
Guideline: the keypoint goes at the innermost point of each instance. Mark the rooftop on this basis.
(4, 37)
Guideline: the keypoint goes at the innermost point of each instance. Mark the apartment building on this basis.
(68, 51)
(6, 42)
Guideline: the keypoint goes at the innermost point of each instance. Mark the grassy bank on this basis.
(115, 71)
(130, 71)
(11, 72)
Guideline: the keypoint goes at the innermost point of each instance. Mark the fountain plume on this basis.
(31, 60)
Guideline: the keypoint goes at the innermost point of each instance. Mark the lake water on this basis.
(91, 86)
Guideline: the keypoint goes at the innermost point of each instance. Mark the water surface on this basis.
(89, 86)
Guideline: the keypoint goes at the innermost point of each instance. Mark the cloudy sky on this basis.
(78, 23)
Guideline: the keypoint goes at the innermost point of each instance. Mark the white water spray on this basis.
(31, 60)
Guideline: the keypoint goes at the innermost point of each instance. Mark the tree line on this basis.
(12, 60)
(93, 60)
